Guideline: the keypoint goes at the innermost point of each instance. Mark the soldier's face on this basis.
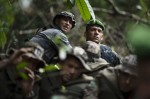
(70, 69)
(127, 83)
(65, 24)
(144, 79)
(94, 33)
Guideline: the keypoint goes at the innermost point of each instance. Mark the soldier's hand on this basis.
(27, 84)
(93, 47)
(16, 57)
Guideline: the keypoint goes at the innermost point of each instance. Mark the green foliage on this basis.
(23, 75)
(85, 9)
(139, 36)
(3, 39)
(70, 3)
(51, 67)
(144, 6)
(6, 20)
(145, 11)
(42, 15)
(21, 65)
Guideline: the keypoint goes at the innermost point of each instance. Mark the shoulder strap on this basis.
(43, 28)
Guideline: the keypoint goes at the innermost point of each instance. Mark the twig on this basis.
(10, 2)
(27, 31)
(124, 13)
(29, 23)
(103, 10)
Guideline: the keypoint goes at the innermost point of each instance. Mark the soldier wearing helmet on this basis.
(70, 79)
(65, 14)
(48, 39)
(119, 82)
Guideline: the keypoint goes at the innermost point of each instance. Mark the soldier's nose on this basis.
(72, 71)
(96, 32)
(128, 80)
(67, 22)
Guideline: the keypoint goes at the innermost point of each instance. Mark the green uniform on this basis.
(78, 89)
(108, 84)
(83, 89)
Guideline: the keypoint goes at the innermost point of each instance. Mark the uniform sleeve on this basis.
(109, 55)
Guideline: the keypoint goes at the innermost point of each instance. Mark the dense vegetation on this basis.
(20, 19)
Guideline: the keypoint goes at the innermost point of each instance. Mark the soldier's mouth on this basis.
(66, 27)
(96, 38)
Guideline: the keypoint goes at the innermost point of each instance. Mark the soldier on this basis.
(94, 32)
(118, 82)
(69, 79)
(17, 76)
(55, 37)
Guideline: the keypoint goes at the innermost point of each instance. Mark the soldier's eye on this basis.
(99, 30)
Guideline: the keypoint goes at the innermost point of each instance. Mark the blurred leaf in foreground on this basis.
(139, 37)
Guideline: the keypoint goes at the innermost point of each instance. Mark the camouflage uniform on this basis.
(53, 38)
(106, 52)
(108, 83)
(10, 86)
(90, 53)
(82, 88)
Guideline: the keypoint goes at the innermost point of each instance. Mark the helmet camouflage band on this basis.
(66, 14)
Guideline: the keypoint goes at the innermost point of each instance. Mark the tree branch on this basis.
(103, 10)
(124, 13)
(31, 31)
(29, 23)
(45, 21)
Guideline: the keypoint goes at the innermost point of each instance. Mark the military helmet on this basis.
(66, 14)
(36, 54)
(129, 65)
(95, 22)
(88, 63)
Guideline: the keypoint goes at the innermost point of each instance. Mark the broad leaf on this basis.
(6, 20)
(21, 65)
(139, 36)
(51, 67)
(85, 9)
(23, 75)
